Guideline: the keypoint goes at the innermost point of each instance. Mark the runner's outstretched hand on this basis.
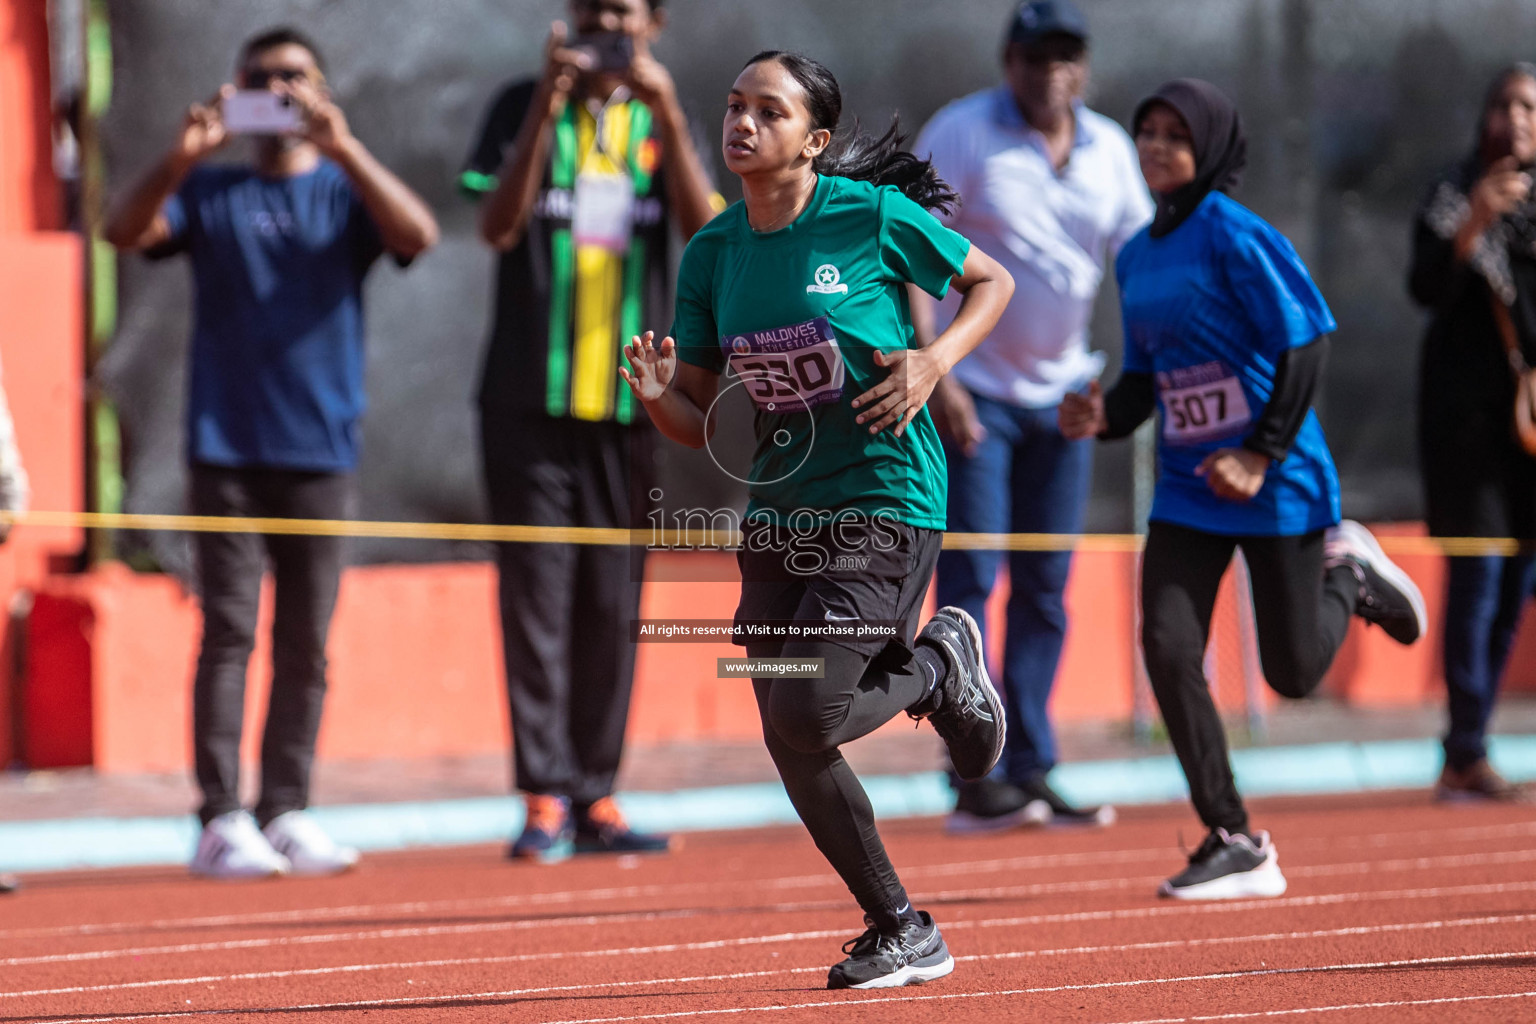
(1081, 416)
(654, 367)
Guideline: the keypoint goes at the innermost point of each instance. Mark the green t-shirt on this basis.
(796, 316)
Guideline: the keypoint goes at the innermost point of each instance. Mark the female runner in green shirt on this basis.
(799, 291)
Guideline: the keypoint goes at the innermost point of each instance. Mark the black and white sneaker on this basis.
(1388, 597)
(964, 708)
(987, 805)
(1048, 808)
(911, 956)
(1228, 867)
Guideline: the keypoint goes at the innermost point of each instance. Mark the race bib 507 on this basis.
(1202, 403)
(786, 369)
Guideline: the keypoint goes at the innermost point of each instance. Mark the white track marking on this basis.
(318, 914)
(1337, 1008)
(1046, 990)
(311, 972)
(1043, 990)
(1415, 863)
(504, 926)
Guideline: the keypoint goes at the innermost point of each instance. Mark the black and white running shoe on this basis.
(1228, 867)
(1388, 597)
(964, 708)
(911, 956)
(1048, 808)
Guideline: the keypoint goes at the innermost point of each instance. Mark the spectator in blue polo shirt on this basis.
(279, 248)
(1052, 188)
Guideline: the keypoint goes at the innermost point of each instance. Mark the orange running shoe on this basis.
(546, 835)
(601, 828)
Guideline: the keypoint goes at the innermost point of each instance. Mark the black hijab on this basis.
(1216, 132)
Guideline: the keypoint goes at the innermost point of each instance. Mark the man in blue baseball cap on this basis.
(1054, 190)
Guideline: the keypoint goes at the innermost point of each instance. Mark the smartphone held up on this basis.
(261, 112)
(610, 52)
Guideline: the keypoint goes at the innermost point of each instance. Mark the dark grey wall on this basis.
(1351, 105)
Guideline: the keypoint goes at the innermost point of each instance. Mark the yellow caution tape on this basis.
(1087, 542)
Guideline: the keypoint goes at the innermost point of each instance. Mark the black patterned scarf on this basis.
(1450, 205)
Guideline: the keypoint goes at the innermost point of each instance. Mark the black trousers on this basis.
(566, 608)
(805, 721)
(1302, 616)
(306, 573)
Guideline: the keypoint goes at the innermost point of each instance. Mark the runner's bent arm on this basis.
(675, 394)
(986, 288)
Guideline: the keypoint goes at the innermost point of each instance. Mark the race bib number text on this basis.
(786, 369)
(1202, 403)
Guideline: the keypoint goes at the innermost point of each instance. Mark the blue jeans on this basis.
(1024, 478)
(1484, 596)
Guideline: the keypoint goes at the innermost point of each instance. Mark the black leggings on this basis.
(804, 723)
(1302, 616)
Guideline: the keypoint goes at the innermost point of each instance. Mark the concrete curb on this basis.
(68, 843)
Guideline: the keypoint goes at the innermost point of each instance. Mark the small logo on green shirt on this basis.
(826, 281)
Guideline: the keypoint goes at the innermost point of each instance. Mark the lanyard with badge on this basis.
(604, 201)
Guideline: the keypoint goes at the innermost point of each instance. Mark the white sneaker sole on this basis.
(911, 975)
(1263, 882)
(1388, 570)
(243, 875)
(994, 702)
(322, 870)
(1039, 814)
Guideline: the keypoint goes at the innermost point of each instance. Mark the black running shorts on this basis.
(843, 572)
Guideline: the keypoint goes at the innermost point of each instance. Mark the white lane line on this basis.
(1047, 990)
(605, 919)
(1414, 863)
(592, 920)
(1338, 1007)
(1044, 990)
(329, 937)
(1127, 947)
(537, 899)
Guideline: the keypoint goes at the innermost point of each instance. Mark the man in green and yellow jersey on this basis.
(582, 171)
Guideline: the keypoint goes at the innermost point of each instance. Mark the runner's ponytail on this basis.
(860, 155)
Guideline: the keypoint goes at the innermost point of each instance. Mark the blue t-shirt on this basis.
(277, 337)
(1209, 309)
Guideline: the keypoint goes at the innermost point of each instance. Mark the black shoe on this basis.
(987, 805)
(600, 828)
(1045, 806)
(911, 956)
(964, 708)
(1228, 867)
(1388, 597)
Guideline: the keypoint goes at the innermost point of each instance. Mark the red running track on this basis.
(1398, 911)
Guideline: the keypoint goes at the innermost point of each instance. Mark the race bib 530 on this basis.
(1202, 403)
(786, 369)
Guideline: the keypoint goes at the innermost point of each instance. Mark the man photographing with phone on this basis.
(581, 172)
(279, 247)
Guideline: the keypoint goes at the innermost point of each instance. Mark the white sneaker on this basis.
(1388, 596)
(298, 837)
(1229, 867)
(231, 846)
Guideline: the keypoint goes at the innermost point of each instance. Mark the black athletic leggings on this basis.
(804, 723)
(1302, 616)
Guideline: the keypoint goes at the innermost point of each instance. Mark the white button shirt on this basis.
(1052, 231)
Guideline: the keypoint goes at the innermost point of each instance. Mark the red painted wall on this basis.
(41, 328)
